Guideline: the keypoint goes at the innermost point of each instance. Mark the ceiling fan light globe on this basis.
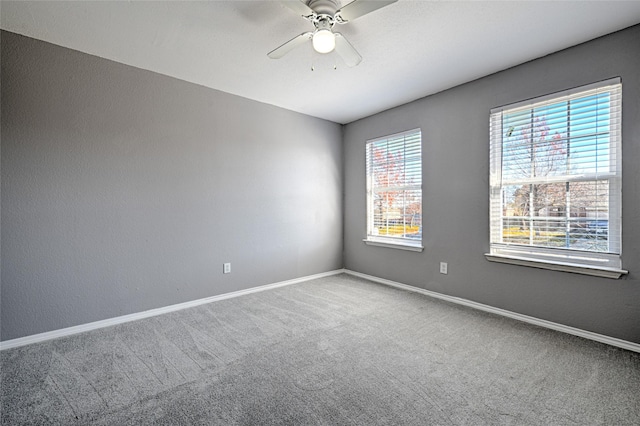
(324, 41)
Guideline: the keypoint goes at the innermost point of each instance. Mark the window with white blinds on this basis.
(555, 184)
(394, 190)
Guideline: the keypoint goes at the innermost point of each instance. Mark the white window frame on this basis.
(601, 264)
(410, 244)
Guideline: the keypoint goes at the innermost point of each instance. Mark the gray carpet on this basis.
(337, 350)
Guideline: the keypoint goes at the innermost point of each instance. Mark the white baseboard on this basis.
(41, 337)
(624, 344)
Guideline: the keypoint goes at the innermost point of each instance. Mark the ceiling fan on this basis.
(324, 14)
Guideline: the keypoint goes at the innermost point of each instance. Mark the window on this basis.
(394, 191)
(555, 184)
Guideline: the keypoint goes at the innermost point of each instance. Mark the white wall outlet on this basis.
(443, 268)
(226, 268)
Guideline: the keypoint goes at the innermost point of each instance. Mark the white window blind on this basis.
(394, 189)
(555, 184)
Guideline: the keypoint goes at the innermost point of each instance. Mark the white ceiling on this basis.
(411, 48)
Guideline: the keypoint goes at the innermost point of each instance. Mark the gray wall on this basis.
(125, 190)
(455, 131)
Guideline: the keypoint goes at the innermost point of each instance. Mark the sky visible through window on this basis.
(554, 158)
(562, 138)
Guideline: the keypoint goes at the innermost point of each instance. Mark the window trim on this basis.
(388, 243)
(565, 260)
(381, 241)
(603, 272)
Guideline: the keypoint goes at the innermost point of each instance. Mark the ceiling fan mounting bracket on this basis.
(323, 22)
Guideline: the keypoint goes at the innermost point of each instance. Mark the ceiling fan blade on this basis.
(357, 8)
(347, 52)
(279, 52)
(298, 7)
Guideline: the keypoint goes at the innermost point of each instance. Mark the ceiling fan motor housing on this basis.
(324, 7)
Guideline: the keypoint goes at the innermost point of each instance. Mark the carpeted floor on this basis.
(337, 350)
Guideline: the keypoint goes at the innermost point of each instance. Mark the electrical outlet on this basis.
(443, 268)
(226, 268)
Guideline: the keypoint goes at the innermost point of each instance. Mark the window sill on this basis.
(558, 266)
(394, 245)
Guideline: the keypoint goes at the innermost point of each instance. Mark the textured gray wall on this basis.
(125, 190)
(455, 131)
